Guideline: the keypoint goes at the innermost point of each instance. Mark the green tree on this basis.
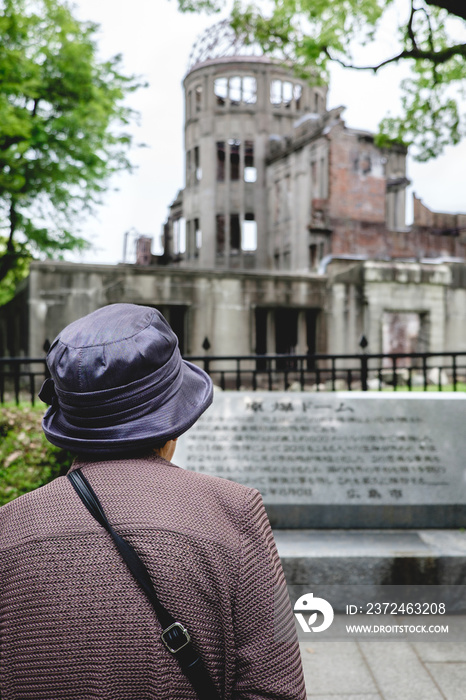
(314, 33)
(62, 129)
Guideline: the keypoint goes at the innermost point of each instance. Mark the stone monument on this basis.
(339, 460)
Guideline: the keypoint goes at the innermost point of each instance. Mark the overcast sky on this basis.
(155, 40)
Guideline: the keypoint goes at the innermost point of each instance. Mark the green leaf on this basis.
(63, 132)
(310, 34)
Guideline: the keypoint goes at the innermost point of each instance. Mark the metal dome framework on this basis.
(221, 41)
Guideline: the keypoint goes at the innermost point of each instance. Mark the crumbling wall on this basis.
(357, 177)
(367, 296)
(215, 305)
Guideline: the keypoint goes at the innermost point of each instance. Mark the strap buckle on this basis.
(174, 642)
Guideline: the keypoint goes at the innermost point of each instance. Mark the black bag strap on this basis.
(175, 636)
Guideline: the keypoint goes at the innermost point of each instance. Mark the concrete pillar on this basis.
(301, 346)
(271, 345)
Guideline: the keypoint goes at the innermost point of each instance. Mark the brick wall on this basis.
(357, 207)
(357, 183)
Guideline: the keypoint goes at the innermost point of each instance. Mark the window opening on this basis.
(287, 90)
(190, 239)
(179, 236)
(404, 332)
(365, 163)
(249, 90)
(261, 334)
(286, 332)
(314, 182)
(198, 97)
(234, 158)
(313, 256)
(188, 168)
(188, 104)
(220, 234)
(297, 91)
(197, 165)
(316, 103)
(287, 197)
(187, 229)
(276, 92)
(235, 91)
(249, 238)
(323, 179)
(220, 161)
(221, 90)
(312, 316)
(250, 173)
(235, 234)
(396, 208)
(198, 236)
(276, 215)
(182, 239)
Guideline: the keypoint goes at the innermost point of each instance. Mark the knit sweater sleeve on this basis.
(268, 663)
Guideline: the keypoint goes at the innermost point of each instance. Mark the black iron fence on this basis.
(21, 378)
(363, 372)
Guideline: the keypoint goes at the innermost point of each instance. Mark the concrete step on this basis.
(365, 558)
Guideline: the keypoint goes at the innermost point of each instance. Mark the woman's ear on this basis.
(167, 451)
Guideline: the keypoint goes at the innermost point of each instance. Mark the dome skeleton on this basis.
(221, 41)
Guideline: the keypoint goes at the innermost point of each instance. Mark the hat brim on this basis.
(154, 429)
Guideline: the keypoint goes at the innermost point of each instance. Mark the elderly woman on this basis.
(133, 579)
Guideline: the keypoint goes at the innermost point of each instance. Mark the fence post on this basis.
(363, 343)
(395, 374)
(364, 372)
(16, 374)
(424, 370)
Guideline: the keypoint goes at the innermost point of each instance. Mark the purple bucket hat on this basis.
(119, 384)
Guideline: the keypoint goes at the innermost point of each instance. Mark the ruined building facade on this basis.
(288, 236)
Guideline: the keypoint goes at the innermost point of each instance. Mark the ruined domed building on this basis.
(289, 235)
(236, 106)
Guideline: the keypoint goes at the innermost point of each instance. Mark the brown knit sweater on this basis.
(74, 624)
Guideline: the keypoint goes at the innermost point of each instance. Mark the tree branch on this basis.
(431, 44)
(13, 224)
(8, 259)
(436, 57)
(410, 26)
(429, 24)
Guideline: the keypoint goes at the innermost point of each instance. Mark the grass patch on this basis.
(27, 460)
(460, 386)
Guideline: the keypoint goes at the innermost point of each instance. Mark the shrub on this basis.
(27, 460)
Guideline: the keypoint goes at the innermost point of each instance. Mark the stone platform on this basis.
(373, 557)
(428, 668)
